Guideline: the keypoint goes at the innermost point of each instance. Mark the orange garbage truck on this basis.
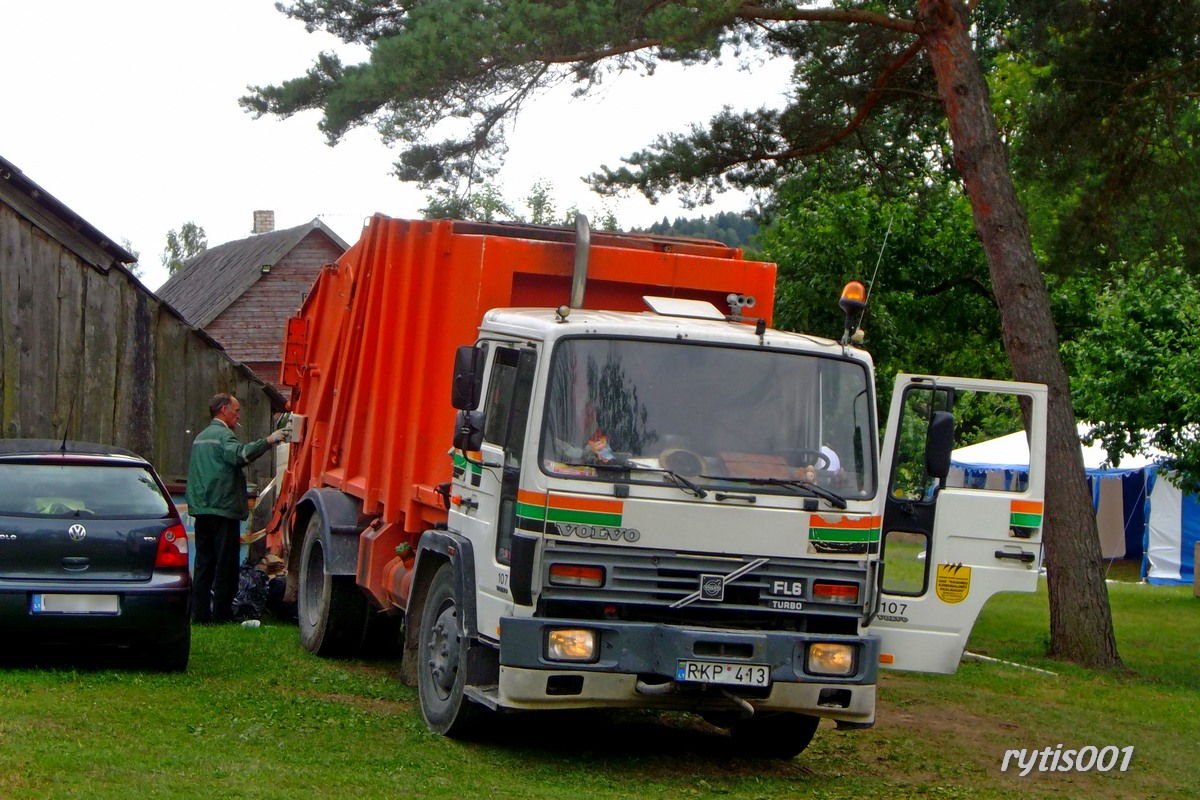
(553, 468)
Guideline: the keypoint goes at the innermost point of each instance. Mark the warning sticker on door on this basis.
(953, 582)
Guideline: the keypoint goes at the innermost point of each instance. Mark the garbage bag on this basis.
(251, 597)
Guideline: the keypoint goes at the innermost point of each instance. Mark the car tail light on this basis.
(172, 549)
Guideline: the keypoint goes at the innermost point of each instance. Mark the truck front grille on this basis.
(657, 585)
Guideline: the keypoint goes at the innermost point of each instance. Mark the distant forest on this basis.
(732, 229)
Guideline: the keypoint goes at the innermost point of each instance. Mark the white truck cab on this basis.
(676, 509)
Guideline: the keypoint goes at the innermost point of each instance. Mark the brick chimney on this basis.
(264, 221)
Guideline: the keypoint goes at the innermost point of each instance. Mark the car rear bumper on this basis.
(155, 611)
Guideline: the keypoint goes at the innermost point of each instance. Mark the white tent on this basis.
(1172, 533)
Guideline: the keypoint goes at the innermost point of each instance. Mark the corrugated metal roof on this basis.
(210, 281)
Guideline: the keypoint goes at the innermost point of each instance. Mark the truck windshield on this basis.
(754, 420)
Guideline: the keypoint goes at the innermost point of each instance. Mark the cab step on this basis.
(486, 695)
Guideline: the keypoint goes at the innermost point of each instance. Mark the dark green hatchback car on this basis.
(92, 552)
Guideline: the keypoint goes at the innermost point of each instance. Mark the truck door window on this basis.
(991, 449)
(905, 562)
(499, 396)
(909, 479)
(510, 388)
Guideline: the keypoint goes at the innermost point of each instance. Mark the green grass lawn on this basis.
(257, 717)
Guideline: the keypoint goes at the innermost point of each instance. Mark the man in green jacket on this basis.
(216, 498)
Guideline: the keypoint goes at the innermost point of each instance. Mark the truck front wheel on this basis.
(331, 609)
(782, 735)
(441, 662)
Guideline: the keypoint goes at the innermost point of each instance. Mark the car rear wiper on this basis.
(628, 466)
(835, 500)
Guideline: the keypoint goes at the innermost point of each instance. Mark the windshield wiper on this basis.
(628, 466)
(682, 482)
(835, 500)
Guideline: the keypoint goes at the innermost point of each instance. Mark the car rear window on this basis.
(69, 490)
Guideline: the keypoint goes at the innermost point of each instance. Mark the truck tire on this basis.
(783, 735)
(441, 660)
(331, 608)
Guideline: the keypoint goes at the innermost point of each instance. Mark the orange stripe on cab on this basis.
(531, 498)
(587, 504)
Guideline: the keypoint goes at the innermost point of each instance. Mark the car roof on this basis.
(52, 447)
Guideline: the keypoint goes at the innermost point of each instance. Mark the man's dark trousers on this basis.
(214, 584)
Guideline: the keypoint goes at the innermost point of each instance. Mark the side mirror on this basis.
(468, 430)
(468, 377)
(939, 443)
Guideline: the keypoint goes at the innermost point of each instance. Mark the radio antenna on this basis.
(878, 261)
(67, 427)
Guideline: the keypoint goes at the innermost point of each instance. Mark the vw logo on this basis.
(77, 532)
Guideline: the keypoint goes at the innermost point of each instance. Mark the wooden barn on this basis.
(243, 292)
(88, 353)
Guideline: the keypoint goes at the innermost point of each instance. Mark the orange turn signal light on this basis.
(576, 575)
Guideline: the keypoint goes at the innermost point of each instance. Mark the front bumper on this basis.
(637, 662)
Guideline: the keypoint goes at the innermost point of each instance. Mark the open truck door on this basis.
(952, 536)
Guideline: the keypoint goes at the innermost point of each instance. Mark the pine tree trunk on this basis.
(1080, 618)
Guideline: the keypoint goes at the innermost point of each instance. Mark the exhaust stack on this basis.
(583, 245)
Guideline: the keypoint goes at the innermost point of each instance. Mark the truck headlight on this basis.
(571, 644)
(827, 658)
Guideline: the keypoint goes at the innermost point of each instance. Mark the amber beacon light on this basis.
(853, 302)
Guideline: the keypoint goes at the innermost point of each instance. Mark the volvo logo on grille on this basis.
(712, 587)
(77, 532)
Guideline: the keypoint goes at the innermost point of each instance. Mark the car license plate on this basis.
(722, 673)
(75, 604)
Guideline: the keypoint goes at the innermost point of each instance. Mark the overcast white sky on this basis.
(127, 112)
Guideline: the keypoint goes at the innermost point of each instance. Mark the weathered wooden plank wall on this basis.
(90, 354)
(97, 350)
(40, 355)
(15, 280)
(68, 377)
